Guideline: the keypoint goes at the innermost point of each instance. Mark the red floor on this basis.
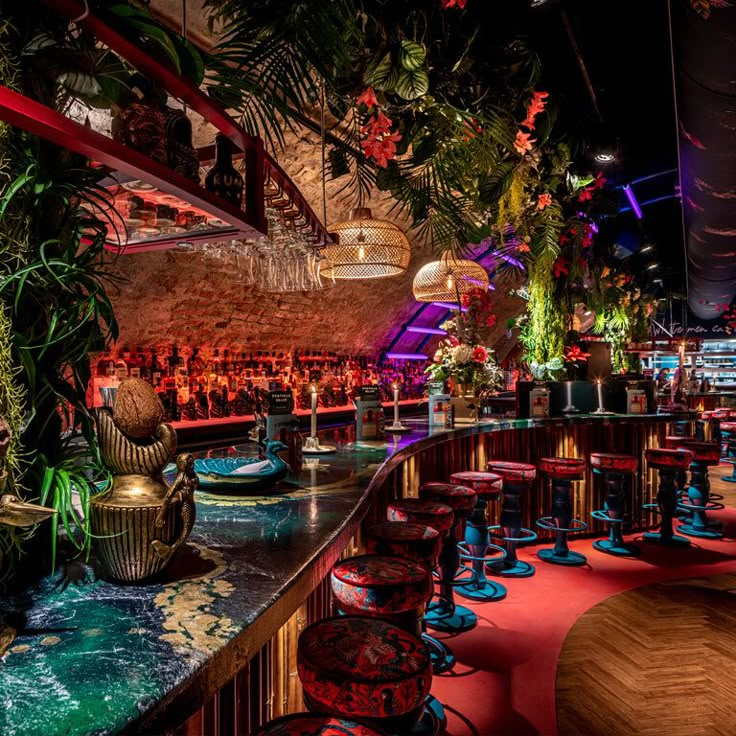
(504, 681)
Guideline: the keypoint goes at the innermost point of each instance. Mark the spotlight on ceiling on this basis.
(657, 281)
(604, 157)
(652, 266)
(537, 3)
(646, 248)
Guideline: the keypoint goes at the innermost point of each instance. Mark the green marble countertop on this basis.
(92, 657)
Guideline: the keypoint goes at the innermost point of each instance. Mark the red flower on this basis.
(446, 4)
(368, 98)
(599, 182)
(561, 267)
(491, 320)
(536, 105)
(480, 354)
(586, 195)
(378, 142)
(574, 354)
(522, 144)
(454, 341)
(544, 200)
(523, 248)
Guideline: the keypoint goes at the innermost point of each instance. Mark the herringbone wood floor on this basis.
(652, 661)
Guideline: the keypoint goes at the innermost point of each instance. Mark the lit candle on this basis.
(313, 432)
(396, 404)
(600, 396)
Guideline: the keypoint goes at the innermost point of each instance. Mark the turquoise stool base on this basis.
(432, 722)
(454, 621)
(571, 559)
(486, 591)
(692, 531)
(443, 658)
(518, 569)
(675, 541)
(627, 550)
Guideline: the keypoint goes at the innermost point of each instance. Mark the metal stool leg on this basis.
(667, 505)
(613, 514)
(512, 566)
(699, 503)
(560, 523)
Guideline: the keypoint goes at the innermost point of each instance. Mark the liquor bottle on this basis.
(222, 179)
(131, 362)
(143, 367)
(195, 364)
(156, 369)
(121, 367)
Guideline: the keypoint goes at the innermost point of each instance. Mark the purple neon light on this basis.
(629, 192)
(406, 356)
(448, 305)
(426, 330)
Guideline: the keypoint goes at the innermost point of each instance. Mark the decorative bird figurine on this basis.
(14, 512)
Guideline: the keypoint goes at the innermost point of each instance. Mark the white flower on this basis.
(462, 354)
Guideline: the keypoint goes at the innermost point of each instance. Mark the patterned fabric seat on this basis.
(603, 461)
(431, 513)
(664, 458)
(380, 585)
(706, 453)
(513, 472)
(364, 668)
(416, 542)
(461, 499)
(486, 485)
(571, 468)
(307, 724)
(729, 426)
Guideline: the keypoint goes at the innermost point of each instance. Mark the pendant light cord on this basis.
(323, 136)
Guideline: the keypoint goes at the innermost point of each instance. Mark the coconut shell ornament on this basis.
(137, 410)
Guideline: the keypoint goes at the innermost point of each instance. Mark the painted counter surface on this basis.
(93, 657)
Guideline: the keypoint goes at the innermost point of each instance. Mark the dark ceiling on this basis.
(624, 46)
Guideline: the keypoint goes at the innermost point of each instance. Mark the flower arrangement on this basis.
(462, 357)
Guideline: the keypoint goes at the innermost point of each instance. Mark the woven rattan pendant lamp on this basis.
(448, 279)
(365, 248)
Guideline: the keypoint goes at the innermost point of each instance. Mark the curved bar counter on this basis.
(211, 647)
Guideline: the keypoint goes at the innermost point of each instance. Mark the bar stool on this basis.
(614, 469)
(699, 499)
(517, 480)
(444, 614)
(728, 438)
(667, 462)
(362, 668)
(309, 724)
(420, 544)
(562, 471)
(477, 548)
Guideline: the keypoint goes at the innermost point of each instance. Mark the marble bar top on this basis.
(93, 657)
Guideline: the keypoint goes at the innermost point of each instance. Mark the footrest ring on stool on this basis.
(546, 523)
(602, 515)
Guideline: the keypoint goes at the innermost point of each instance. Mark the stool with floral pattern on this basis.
(310, 724)
(477, 550)
(616, 470)
(367, 669)
(443, 613)
(517, 482)
(421, 544)
(668, 463)
(562, 471)
(699, 499)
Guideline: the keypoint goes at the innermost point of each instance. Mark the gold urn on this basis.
(140, 521)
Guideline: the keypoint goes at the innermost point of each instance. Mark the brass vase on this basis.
(136, 526)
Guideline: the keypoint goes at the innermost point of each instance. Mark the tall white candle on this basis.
(600, 396)
(313, 432)
(396, 403)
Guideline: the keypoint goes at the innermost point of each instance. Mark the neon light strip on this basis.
(406, 356)
(629, 192)
(448, 305)
(426, 330)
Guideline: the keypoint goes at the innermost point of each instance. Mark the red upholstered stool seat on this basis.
(665, 458)
(486, 485)
(380, 585)
(419, 511)
(706, 453)
(307, 724)
(513, 472)
(461, 499)
(416, 542)
(614, 461)
(729, 426)
(364, 668)
(571, 468)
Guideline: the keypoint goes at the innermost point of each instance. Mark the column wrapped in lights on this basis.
(365, 248)
(448, 279)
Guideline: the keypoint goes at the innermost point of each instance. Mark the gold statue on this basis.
(181, 491)
(140, 522)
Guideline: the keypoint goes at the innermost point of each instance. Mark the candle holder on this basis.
(312, 447)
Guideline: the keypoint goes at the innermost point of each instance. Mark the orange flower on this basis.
(544, 200)
(522, 144)
(536, 106)
(523, 248)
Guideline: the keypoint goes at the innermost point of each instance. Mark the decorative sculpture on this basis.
(140, 522)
